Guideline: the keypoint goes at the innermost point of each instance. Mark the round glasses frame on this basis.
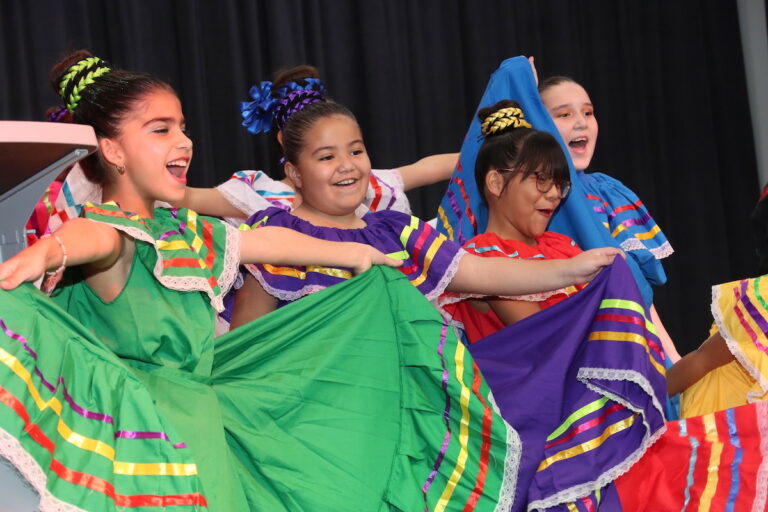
(544, 182)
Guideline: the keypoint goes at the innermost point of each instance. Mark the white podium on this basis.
(31, 155)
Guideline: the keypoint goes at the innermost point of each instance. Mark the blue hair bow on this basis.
(257, 114)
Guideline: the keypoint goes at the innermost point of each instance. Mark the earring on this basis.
(120, 169)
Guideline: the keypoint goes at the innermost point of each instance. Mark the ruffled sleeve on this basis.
(628, 220)
(194, 253)
(740, 310)
(386, 192)
(429, 259)
(253, 191)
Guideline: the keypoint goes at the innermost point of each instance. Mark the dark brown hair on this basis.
(302, 121)
(555, 80)
(104, 104)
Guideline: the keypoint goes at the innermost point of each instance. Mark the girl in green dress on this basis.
(107, 405)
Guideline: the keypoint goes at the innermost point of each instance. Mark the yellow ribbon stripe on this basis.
(299, 274)
(247, 227)
(176, 245)
(577, 415)
(399, 255)
(167, 469)
(405, 234)
(588, 445)
(632, 306)
(710, 428)
(640, 236)
(436, 243)
(86, 443)
(173, 245)
(444, 220)
(197, 242)
(627, 336)
(461, 460)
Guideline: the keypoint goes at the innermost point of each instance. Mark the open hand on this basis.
(28, 265)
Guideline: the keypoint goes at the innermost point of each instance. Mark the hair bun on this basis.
(78, 76)
(503, 119)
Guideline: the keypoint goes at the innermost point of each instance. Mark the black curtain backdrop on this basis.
(667, 79)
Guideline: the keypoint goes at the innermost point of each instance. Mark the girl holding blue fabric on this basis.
(566, 346)
(522, 174)
(620, 210)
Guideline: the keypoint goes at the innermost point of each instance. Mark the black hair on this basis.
(104, 104)
(524, 149)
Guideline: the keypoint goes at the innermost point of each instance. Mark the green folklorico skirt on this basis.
(356, 398)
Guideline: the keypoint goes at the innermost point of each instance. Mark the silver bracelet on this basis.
(63, 251)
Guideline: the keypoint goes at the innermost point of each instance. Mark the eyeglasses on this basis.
(545, 182)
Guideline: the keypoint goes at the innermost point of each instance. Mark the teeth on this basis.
(346, 182)
(177, 163)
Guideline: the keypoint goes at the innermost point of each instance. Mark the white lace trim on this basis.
(511, 463)
(733, 343)
(453, 298)
(448, 276)
(191, 283)
(585, 374)
(288, 295)
(245, 198)
(578, 491)
(660, 252)
(761, 483)
(11, 450)
(278, 293)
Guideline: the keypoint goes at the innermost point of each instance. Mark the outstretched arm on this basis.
(210, 201)
(666, 340)
(284, 246)
(428, 170)
(712, 354)
(85, 242)
(502, 276)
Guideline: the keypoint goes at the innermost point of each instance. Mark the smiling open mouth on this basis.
(346, 183)
(178, 169)
(578, 143)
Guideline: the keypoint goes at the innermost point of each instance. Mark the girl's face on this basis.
(154, 148)
(571, 109)
(333, 168)
(525, 210)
